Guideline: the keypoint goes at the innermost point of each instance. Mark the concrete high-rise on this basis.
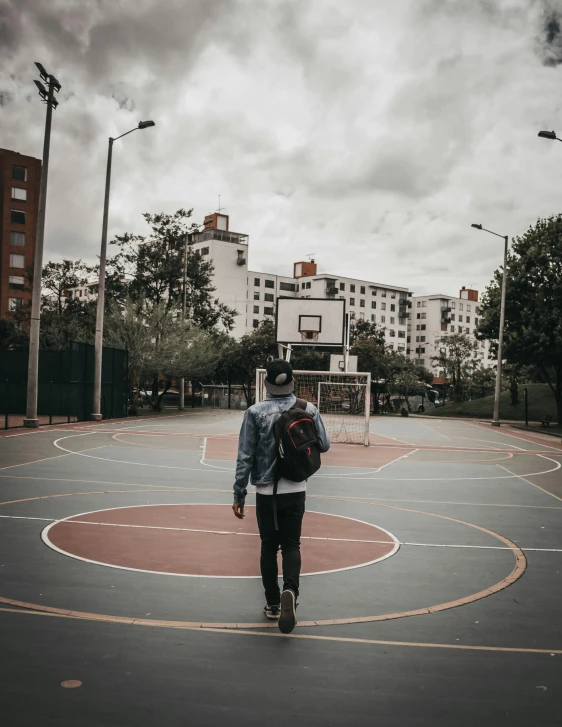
(20, 179)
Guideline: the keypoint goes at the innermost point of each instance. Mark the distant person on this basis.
(279, 515)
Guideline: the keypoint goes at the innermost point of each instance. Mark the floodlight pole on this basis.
(496, 415)
(31, 420)
(346, 343)
(96, 414)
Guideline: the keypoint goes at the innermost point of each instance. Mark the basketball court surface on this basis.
(431, 591)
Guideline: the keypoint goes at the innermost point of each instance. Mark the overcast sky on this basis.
(371, 133)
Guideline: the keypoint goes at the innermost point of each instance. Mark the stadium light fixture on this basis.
(496, 417)
(48, 96)
(145, 124)
(548, 135)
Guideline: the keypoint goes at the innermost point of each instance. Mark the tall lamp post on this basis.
(96, 404)
(31, 419)
(189, 236)
(496, 417)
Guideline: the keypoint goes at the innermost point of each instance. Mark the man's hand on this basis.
(238, 509)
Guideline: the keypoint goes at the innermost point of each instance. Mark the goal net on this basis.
(343, 401)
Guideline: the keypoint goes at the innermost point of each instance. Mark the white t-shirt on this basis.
(284, 487)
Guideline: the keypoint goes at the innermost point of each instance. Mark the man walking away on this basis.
(279, 515)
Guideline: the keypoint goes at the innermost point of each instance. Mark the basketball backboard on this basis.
(310, 321)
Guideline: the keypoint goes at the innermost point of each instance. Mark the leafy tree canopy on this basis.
(533, 314)
(456, 359)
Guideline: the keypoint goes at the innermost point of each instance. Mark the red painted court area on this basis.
(339, 455)
(206, 540)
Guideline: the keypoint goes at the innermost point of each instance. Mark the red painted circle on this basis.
(207, 540)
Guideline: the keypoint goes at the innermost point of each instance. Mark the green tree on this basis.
(150, 268)
(533, 314)
(59, 277)
(366, 329)
(252, 352)
(483, 383)
(309, 359)
(160, 347)
(456, 359)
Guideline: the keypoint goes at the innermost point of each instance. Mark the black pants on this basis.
(290, 512)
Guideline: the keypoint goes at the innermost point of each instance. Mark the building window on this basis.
(422, 350)
(256, 309)
(453, 305)
(19, 173)
(373, 318)
(204, 251)
(468, 307)
(401, 334)
(352, 288)
(424, 315)
(424, 303)
(374, 291)
(302, 286)
(373, 304)
(17, 239)
(461, 306)
(352, 315)
(392, 333)
(459, 329)
(16, 282)
(467, 330)
(17, 261)
(15, 303)
(383, 306)
(393, 295)
(418, 327)
(422, 339)
(418, 304)
(392, 319)
(467, 319)
(383, 319)
(269, 297)
(255, 323)
(452, 329)
(362, 290)
(422, 327)
(476, 321)
(417, 339)
(287, 286)
(362, 316)
(393, 306)
(452, 316)
(383, 293)
(268, 311)
(460, 319)
(361, 303)
(342, 286)
(257, 282)
(17, 217)
(418, 316)
(352, 301)
(19, 195)
(308, 285)
(270, 284)
(256, 294)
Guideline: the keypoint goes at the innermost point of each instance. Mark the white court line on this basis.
(516, 436)
(523, 477)
(224, 470)
(47, 541)
(56, 521)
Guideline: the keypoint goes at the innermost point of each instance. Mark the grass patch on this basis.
(540, 397)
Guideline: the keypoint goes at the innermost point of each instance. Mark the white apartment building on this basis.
(254, 294)
(434, 316)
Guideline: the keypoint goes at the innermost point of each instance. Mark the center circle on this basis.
(207, 541)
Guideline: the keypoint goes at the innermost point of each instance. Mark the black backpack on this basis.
(298, 453)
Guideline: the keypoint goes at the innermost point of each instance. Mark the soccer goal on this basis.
(343, 400)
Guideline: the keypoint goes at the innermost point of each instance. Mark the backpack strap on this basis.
(299, 404)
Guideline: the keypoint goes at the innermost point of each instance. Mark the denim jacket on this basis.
(256, 447)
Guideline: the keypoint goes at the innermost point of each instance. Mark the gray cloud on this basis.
(370, 133)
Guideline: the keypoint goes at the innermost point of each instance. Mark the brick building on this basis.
(20, 179)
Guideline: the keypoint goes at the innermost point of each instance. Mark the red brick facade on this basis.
(14, 246)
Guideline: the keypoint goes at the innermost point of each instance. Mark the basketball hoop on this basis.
(309, 336)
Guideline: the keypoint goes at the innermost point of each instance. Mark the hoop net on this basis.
(343, 400)
(309, 336)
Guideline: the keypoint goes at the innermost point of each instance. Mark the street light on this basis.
(96, 415)
(496, 417)
(549, 135)
(31, 419)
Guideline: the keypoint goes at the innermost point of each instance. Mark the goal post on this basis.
(343, 400)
